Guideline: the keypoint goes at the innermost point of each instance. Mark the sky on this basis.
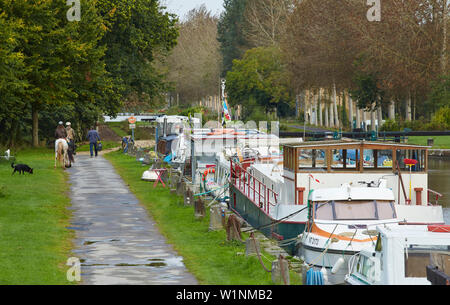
(181, 7)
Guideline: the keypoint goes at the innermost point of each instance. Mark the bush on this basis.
(442, 118)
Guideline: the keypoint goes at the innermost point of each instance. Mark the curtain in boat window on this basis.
(350, 210)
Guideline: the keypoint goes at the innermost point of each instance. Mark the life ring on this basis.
(208, 171)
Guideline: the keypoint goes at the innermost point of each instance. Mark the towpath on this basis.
(116, 241)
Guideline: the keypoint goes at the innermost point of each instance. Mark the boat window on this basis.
(324, 210)
(384, 158)
(385, 210)
(363, 266)
(415, 154)
(352, 210)
(369, 158)
(418, 257)
(345, 158)
(312, 159)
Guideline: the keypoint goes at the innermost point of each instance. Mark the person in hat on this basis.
(70, 132)
(60, 132)
(71, 141)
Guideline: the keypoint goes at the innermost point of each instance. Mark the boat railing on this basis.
(261, 195)
(435, 195)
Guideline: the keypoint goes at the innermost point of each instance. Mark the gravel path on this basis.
(116, 241)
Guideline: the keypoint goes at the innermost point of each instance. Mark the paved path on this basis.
(116, 241)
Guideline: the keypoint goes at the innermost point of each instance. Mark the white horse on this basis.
(61, 148)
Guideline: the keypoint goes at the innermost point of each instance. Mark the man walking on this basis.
(93, 137)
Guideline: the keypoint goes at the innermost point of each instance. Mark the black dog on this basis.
(21, 168)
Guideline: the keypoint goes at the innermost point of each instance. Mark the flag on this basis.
(225, 113)
(314, 178)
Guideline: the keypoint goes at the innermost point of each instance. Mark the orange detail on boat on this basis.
(439, 228)
(316, 230)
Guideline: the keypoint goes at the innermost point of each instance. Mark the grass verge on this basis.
(105, 145)
(207, 255)
(34, 241)
(440, 142)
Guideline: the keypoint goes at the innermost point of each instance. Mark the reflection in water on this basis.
(439, 181)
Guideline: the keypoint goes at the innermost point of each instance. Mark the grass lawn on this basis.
(207, 255)
(440, 142)
(34, 243)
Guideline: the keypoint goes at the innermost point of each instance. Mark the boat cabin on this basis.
(207, 146)
(401, 256)
(315, 165)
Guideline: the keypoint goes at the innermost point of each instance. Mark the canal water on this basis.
(439, 181)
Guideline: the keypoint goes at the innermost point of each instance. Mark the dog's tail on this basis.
(12, 165)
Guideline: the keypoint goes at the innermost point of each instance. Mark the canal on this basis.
(439, 181)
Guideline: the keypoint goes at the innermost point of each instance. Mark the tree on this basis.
(12, 82)
(230, 29)
(137, 32)
(194, 65)
(368, 94)
(266, 21)
(260, 78)
(47, 53)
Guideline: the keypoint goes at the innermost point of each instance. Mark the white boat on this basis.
(401, 256)
(342, 222)
(352, 187)
(171, 137)
(373, 174)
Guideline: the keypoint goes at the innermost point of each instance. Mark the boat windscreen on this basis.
(354, 210)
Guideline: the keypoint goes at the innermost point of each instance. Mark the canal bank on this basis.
(439, 153)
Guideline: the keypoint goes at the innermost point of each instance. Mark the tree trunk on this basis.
(380, 117)
(364, 119)
(444, 41)
(392, 110)
(35, 126)
(408, 107)
(350, 111)
(331, 116)
(358, 117)
(336, 115)
(327, 119)
(319, 105)
(310, 105)
(373, 118)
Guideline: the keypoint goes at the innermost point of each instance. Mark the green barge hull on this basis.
(285, 231)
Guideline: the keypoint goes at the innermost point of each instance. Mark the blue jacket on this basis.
(93, 136)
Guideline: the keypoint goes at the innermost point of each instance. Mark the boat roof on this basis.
(272, 171)
(176, 119)
(346, 192)
(231, 134)
(349, 143)
(418, 234)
